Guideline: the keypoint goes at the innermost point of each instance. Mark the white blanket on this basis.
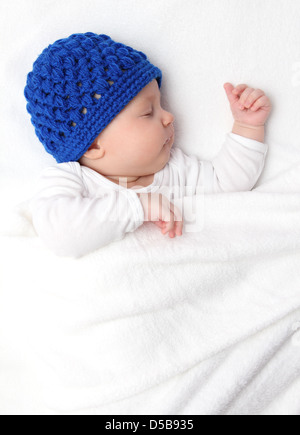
(207, 323)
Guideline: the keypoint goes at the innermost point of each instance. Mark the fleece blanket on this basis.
(208, 323)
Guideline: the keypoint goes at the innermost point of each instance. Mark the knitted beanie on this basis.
(77, 87)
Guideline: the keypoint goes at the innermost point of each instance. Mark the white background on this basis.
(198, 44)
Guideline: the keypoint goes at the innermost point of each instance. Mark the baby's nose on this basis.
(170, 119)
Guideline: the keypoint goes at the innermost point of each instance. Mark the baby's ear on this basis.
(94, 152)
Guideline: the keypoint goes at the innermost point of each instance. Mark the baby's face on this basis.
(133, 144)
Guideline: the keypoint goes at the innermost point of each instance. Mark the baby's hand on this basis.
(248, 106)
(163, 213)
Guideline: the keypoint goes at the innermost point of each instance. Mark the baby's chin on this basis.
(167, 148)
(166, 152)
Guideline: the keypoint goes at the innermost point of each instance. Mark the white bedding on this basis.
(207, 323)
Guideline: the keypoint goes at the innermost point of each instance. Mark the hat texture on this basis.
(77, 87)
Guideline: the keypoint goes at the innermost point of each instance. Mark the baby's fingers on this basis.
(178, 224)
(178, 227)
(239, 89)
(169, 224)
(254, 96)
(174, 222)
(263, 102)
(175, 231)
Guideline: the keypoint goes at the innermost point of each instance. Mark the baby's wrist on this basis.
(255, 132)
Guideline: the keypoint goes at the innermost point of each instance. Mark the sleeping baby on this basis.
(95, 105)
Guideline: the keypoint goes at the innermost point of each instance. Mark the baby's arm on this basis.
(72, 224)
(237, 167)
(241, 160)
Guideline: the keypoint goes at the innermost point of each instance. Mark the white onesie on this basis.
(76, 210)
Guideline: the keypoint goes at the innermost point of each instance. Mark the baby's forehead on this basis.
(149, 93)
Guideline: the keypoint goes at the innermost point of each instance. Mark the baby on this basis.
(95, 106)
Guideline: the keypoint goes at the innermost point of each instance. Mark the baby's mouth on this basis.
(169, 139)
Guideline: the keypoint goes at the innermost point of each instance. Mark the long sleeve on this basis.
(72, 224)
(237, 167)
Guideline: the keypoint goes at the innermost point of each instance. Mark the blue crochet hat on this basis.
(77, 87)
